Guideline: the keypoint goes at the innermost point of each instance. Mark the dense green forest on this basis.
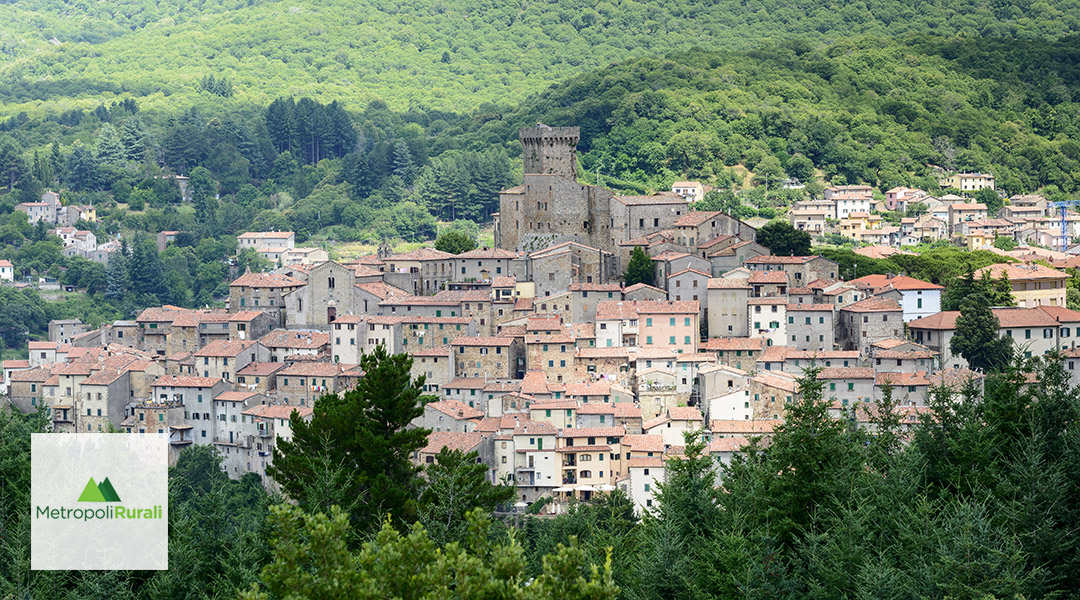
(978, 501)
(444, 54)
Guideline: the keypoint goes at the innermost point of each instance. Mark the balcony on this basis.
(569, 478)
(570, 460)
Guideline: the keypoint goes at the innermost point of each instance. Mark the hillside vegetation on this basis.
(445, 54)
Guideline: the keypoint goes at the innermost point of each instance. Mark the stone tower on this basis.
(550, 150)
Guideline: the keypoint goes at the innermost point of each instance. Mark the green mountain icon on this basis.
(91, 493)
(107, 491)
(102, 492)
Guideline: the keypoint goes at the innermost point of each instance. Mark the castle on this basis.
(550, 207)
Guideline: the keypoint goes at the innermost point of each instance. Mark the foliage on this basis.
(639, 269)
(998, 292)
(356, 451)
(976, 337)
(783, 240)
(1002, 242)
(456, 484)
(311, 560)
(455, 242)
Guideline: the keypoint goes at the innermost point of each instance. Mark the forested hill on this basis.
(864, 110)
(445, 54)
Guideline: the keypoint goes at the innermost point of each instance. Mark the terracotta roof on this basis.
(277, 411)
(292, 338)
(455, 409)
(726, 444)
(488, 253)
(35, 374)
(466, 383)
(224, 348)
(616, 310)
(733, 343)
(667, 307)
(810, 307)
(482, 341)
(780, 260)
(1062, 314)
(1009, 317)
(776, 277)
(644, 443)
(727, 283)
(661, 198)
(613, 352)
(647, 462)
(873, 304)
(758, 426)
(777, 379)
(185, 381)
(235, 396)
(768, 300)
(898, 282)
(846, 373)
(383, 290)
(1021, 272)
(696, 218)
(579, 432)
(420, 254)
(685, 413)
(627, 410)
(245, 315)
(261, 368)
(526, 427)
(261, 235)
(105, 376)
(266, 280)
(901, 379)
(314, 369)
(695, 271)
(595, 388)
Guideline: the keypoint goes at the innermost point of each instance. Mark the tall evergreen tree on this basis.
(977, 339)
(640, 269)
(360, 436)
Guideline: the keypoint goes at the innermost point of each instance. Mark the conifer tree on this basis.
(640, 269)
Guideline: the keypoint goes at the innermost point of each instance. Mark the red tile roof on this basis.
(185, 381)
(266, 280)
(873, 304)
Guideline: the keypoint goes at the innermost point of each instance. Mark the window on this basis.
(648, 322)
(851, 387)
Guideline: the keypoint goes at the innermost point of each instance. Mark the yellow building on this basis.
(1032, 284)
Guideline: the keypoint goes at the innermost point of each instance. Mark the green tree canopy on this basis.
(784, 240)
(976, 337)
(640, 269)
(356, 451)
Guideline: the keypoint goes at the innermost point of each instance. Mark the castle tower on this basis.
(550, 150)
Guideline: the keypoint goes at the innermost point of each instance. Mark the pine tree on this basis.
(640, 269)
(364, 430)
(976, 338)
(107, 148)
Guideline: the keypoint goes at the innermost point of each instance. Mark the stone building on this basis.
(330, 291)
(868, 321)
(811, 326)
(265, 291)
(726, 307)
(489, 357)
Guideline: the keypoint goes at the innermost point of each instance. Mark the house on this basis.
(917, 298)
(811, 326)
(1032, 284)
(691, 191)
(868, 321)
(295, 343)
(1035, 331)
(800, 269)
(448, 415)
(7, 271)
(269, 244)
(967, 182)
(488, 356)
(848, 203)
(263, 291)
(898, 198)
(961, 212)
(727, 306)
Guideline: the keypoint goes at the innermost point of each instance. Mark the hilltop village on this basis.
(566, 381)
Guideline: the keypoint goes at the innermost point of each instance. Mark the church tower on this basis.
(550, 150)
